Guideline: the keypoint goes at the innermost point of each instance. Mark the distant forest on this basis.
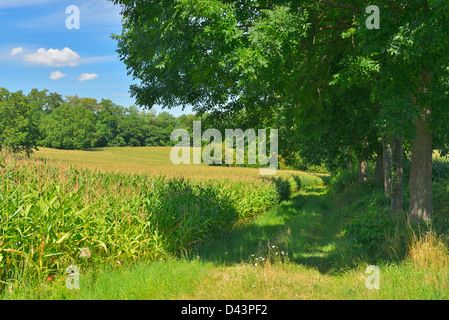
(49, 120)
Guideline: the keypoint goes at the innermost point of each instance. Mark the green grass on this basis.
(299, 249)
(318, 264)
(157, 280)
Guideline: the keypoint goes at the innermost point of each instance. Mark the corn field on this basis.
(50, 215)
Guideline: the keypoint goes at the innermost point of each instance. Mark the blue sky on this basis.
(37, 50)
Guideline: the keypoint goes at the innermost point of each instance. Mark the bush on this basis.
(366, 230)
(117, 142)
(440, 168)
(133, 142)
(342, 180)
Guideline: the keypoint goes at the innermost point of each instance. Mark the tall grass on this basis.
(48, 215)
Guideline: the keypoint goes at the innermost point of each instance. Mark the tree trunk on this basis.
(421, 172)
(386, 157)
(348, 158)
(397, 176)
(363, 176)
(378, 170)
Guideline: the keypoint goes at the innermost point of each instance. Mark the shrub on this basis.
(366, 229)
(440, 168)
(133, 142)
(343, 179)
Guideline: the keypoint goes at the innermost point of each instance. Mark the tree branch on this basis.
(339, 27)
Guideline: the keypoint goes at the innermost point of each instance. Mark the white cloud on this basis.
(55, 75)
(87, 76)
(54, 57)
(16, 51)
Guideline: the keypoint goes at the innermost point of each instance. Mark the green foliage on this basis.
(440, 193)
(258, 63)
(70, 127)
(187, 214)
(18, 127)
(342, 180)
(233, 150)
(74, 123)
(408, 47)
(440, 168)
(366, 230)
(117, 142)
(372, 231)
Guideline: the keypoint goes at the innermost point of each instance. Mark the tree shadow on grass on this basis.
(326, 178)
(283, 186)
(305, 227)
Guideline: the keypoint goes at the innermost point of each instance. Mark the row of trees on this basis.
(312, 69)
(49, 120)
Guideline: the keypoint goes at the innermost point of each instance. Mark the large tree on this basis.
(411, 50)
(18, 126)
(272, 57)
(69, 127)
(229, 55)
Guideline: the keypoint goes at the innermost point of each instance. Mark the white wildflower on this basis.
(85, 253)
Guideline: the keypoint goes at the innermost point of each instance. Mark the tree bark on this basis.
(397, 176)
(420, 209)
(386, 157)
(363, 176)
(378, 170)
(348, 158)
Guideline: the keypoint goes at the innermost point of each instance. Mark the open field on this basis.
(51, 210)
(154, 161)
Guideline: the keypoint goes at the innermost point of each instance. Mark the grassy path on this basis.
(291, 252)
(305, 229)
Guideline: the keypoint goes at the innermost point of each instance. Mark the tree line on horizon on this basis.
(44, 119)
